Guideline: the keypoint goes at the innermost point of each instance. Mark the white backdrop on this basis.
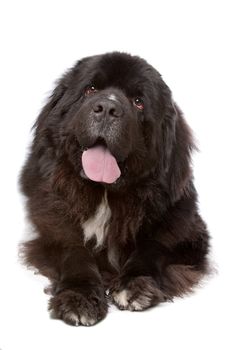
(190, 43)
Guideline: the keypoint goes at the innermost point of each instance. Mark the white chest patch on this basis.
(97, 225)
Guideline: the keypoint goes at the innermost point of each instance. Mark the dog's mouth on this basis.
(99, 164)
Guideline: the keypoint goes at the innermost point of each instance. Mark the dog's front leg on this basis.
(79, 293)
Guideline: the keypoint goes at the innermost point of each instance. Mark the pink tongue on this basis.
(100, 165)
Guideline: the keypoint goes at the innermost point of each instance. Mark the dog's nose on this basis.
(107, 108)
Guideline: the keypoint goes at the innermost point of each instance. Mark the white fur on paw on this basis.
(76, 320)
(71, 316)
(121, 298)
(87, 321)
(141, 303)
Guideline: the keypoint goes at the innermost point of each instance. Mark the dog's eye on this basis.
(90, 89)
(138, 102)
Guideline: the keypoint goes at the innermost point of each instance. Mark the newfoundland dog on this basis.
(110, 192)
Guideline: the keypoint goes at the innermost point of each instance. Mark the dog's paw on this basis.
(138, 294)
(76, 308)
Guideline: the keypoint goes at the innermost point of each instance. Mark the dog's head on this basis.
(112, 116)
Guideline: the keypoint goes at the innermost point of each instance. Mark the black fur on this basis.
(155, 244)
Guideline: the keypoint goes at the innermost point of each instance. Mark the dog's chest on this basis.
(97, 225)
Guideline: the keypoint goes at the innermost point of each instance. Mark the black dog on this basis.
(110, 192)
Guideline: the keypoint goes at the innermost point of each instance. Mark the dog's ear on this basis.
(177, 144)
(43, 150)
(54, 101)
(56, 95)
(168, 134)
(60, 101)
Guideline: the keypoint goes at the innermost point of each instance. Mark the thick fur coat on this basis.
(132, 235)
